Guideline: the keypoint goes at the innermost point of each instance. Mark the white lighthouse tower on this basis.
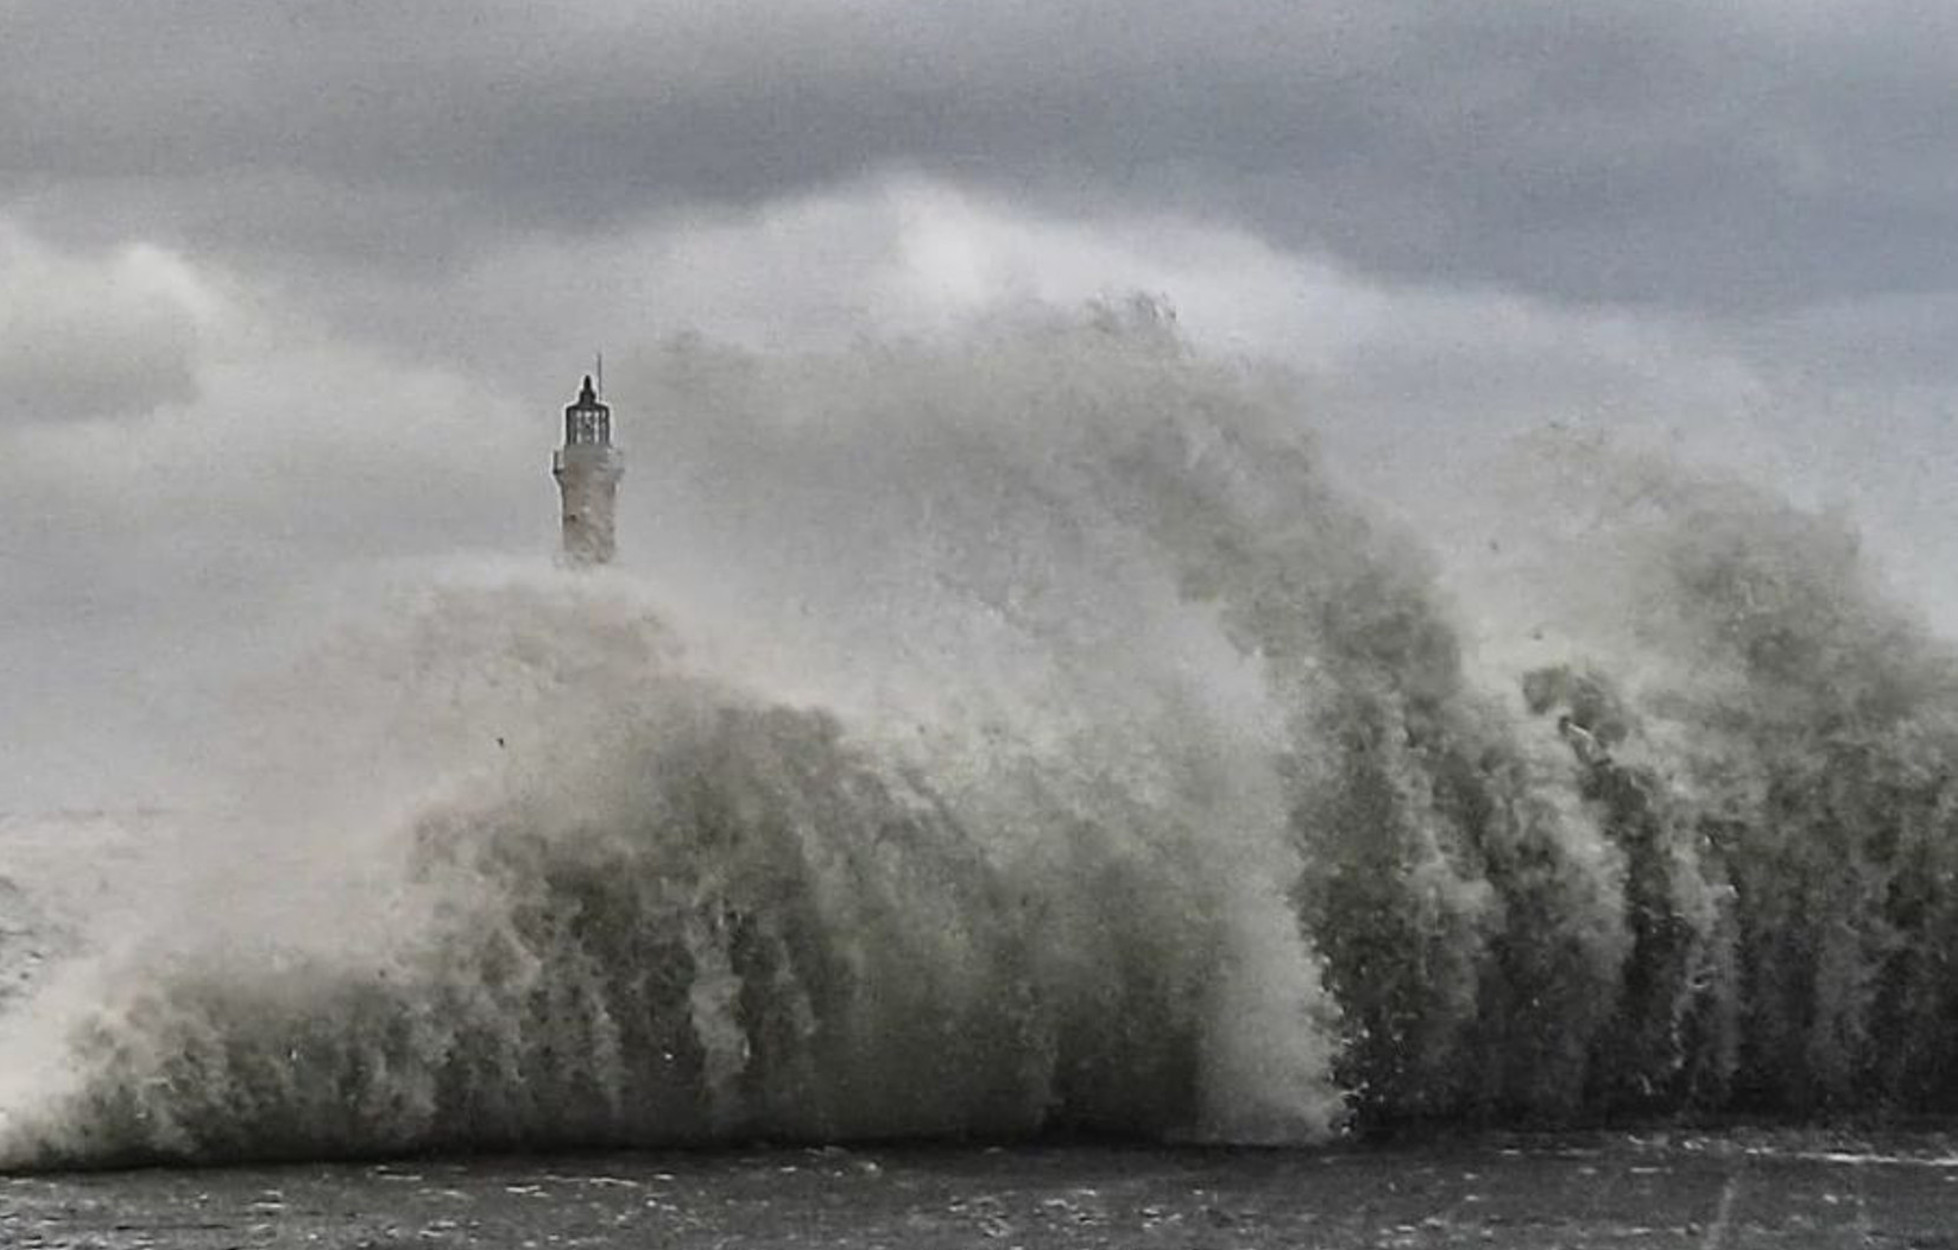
(588, 469)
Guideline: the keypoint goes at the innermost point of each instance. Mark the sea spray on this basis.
(662, 912)
(1019, 733)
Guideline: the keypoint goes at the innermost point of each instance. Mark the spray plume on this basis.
(1020, 734)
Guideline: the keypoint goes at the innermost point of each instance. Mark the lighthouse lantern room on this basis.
(588, 469)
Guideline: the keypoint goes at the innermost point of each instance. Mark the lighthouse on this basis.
(588, 469)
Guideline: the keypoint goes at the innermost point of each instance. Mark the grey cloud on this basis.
(90, 338)
(1742, 155)
(91, 370)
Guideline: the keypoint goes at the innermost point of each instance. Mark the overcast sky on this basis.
(302, 285)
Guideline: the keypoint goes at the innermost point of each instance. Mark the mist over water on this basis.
(1020, 732)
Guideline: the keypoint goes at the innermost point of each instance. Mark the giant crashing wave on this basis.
(1042, 745)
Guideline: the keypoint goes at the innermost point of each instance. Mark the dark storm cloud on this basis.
(1736, 155)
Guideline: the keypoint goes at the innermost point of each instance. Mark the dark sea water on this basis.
(1731, 1190)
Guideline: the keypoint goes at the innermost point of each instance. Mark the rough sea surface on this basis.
(1666, 1190)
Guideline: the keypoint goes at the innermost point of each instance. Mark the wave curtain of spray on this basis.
(1021, 734)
